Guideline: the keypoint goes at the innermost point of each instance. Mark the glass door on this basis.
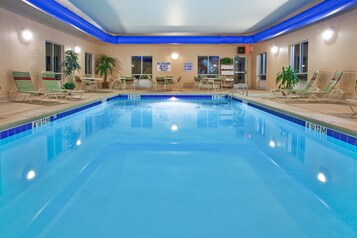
(240, 72)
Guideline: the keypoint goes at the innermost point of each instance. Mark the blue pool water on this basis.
(176, 169)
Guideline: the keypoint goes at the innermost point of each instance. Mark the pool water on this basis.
(176, 169)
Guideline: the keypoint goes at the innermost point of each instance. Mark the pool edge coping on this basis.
(23, 125)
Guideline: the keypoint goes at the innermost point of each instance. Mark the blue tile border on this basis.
(330, 132)
(236, 99)
(182, 97)
(72, 111)
(29, 125)
(118, 97)
(15, 130)
(147, 97)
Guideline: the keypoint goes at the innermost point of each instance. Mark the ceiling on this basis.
(185, 16)
(177, 21)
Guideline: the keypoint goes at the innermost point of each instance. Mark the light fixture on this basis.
(26, 35)
(175, 56)
(274, 50)
(77, 49)
(174, 128)
(328, 34)
(79, 142)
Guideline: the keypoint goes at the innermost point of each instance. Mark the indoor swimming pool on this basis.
(176, 168)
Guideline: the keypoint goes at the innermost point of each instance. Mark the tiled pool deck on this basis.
(334, 116)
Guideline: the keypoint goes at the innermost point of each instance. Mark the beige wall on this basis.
(162, 53)
(17, 55)
(325, 57)
(340, 54)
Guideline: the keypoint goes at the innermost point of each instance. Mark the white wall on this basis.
(17, 55)
(325, 57)
(162, 53)
(340, 54)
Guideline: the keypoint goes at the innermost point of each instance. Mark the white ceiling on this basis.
(184, 16)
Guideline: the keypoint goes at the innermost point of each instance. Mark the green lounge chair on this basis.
(292, 94)
(25, 86)
(335, 95)
(301, 93)
(51, 85)
(353, 102)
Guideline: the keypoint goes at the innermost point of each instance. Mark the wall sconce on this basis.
(175, 56)
(26, 35)
(274, 50)
(77, 49)
(328, 34)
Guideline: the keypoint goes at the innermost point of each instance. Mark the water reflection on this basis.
(319, 163)
(31, 155)
(71, 136)
(306, 162)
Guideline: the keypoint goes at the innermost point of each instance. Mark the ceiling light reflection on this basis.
(272, 144)
(31, 174)
(174, 128)
(321, 177)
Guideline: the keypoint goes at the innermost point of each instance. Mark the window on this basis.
(208, 65)
(88, 60)
(299, 59)
(54, 54)
(141, 65)
(262, 66)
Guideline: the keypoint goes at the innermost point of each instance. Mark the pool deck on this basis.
(333, 115)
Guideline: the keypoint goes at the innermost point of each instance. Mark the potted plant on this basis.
(70, 65)
(69, 85)
(286, 78)
(227, 61)
(104, 66)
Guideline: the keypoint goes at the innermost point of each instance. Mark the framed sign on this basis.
(163, 66)
(187, 66)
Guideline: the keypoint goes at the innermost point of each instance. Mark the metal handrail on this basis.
(241, 88)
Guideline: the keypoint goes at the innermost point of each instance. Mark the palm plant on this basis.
(70, 64)
(104, 66)
(287, 78)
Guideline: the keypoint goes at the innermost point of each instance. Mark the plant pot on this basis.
(105, 84)
(69, 86)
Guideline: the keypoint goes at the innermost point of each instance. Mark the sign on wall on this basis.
(163, 66)
(187, 66)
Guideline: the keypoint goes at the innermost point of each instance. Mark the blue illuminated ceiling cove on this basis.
(311, 15)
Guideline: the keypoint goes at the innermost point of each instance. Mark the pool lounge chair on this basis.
(129, 82)
(160, 81)
(51, 85)
(291, 94)
(178, 85)
(25, 86)
(352, 103)
(327, 93)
